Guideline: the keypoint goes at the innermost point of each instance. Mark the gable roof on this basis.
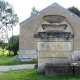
(54, 4)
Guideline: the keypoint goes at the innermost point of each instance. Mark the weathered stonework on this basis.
(75, 55)
(56, 69)
(27, 55)
(33, 25)
(77, 69)
(54, 51)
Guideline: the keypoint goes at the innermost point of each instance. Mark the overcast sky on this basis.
(23, 7)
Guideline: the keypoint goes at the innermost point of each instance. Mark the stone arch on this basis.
(70, 26)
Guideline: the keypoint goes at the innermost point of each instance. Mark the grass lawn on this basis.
(31, 74)
(7, 60)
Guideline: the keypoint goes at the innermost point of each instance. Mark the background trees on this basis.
(34, 11)
(2, 47)
(8, 19)
(14, 44)
(75, 10)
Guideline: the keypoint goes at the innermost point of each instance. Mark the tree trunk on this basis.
(7, 34)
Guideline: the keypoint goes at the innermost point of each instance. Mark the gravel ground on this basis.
(16, 67)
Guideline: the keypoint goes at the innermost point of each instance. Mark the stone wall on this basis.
(27, 55)
(31, 26)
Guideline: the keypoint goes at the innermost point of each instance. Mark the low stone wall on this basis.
(58, 69)
(27, 55)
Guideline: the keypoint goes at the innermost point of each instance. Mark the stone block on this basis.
(54, 69)
(77, 69)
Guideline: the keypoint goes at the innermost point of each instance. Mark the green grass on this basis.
(31, 74)
(4, 59)
(7, 60)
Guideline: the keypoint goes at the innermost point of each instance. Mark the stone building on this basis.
(32, 25)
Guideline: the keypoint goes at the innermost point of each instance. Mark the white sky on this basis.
(23, 7)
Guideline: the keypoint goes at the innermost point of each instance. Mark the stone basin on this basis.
(54, 18)
(54, 69)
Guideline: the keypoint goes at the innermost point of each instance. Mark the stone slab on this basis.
(57, 69)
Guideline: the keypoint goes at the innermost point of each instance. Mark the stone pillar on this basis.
(54, 51)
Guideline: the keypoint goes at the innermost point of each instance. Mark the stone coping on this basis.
(54, 34)
(58, 64)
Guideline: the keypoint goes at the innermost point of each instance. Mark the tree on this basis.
(8, 19)
(13, 39)
(75, 10)
(14, 46)
(34, 11)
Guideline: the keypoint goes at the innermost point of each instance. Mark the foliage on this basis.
(75, 10)
(5, 52)
(31, 74)
(2, 46)
(34, 11)
(14, 46)
(13, 39)
(8, 19)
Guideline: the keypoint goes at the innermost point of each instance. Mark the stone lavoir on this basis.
(55, 46)
(54, 43)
